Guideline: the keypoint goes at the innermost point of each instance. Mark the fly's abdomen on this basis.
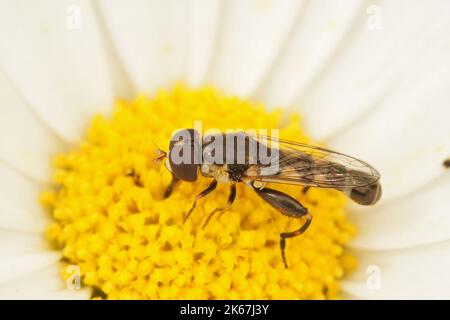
(367, 195)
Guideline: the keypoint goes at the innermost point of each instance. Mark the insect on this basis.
(446, 163)
(291, 163)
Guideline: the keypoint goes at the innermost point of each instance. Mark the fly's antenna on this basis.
(161, 154)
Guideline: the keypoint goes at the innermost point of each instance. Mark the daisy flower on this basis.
(87, 87)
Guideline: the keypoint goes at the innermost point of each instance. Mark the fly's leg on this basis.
(212, 186)
(170, 187)
(231, 199)
(292, 234)
(305, 189)
(288, 206)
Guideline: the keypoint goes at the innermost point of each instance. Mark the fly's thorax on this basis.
(224, 173)
(217, 171)
(236, 148)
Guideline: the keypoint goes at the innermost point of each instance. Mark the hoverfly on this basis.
(295, 163)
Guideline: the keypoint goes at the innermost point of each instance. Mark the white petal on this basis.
(22, 294)
(19, 205)
(416, 273)
(19, 243)
(313, 42)
(62, 71)
(82, 294)
(26, 142)
(418, 218)
(252, 33)
(407, 137)
(16, 267)
(203, 18)
(44, 280)
(45, 283)
(370, 62)
(151, 39)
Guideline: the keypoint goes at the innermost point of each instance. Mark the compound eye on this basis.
(186, 172)
(184, 154)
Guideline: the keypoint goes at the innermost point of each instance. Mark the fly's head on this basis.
(184, 155)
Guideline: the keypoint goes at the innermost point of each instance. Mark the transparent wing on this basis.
(302, 164)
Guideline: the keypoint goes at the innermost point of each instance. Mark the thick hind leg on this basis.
(289, 207)
(293, 234)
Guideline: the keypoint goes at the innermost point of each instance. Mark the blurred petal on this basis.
(371, 62)
(26, 142)
(70, 76)
(416, 219)
(416, 273)
(407, 137)
(151, 39)
(16, 267)
(19, 243)
(251, 36)
(313, 43)
(42, 280)
(19, 205)
(82, 294)
(45, 283)
(203, 21)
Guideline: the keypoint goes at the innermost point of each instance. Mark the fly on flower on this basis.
(256, 160)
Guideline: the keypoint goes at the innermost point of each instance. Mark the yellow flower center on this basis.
(112, 222)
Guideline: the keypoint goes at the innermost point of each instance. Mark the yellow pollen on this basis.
(111, 221)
